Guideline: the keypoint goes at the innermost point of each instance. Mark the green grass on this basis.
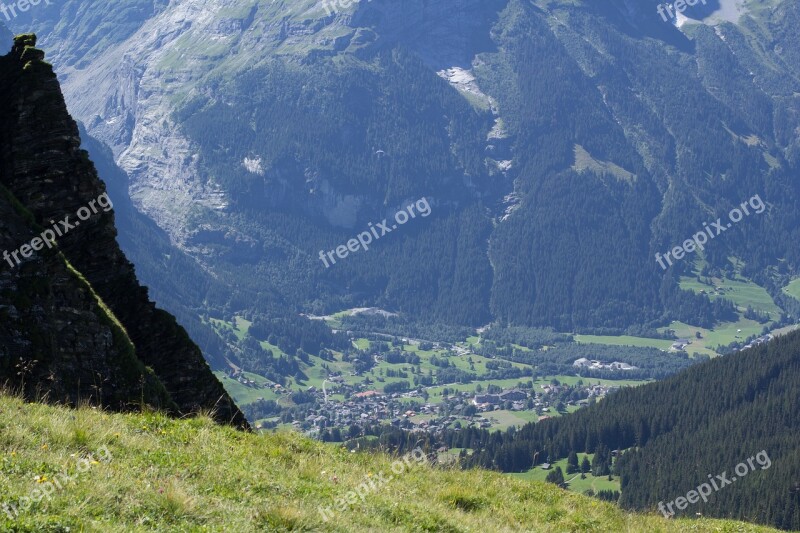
(741, 292)
(362, 344)
(723, 334)
(436, 392)
(576, 484)
(784, 330)
(242, 394)
(698, 346)
(190, 475)
(793, 289)
(624, 340)
(240, 328)
(504, 419)
(584, 161)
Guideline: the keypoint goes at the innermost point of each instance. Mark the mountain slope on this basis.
(700, 422)
(67, 342)
(219, 479)
(560, 144)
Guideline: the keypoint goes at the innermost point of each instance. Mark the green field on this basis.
(723, 334)
(504, 419)
(624, 340)
(162, 474)
(361, 344)
(239, 328)
(575, 483)
(697, 346)
(741, 292)
(793, 289)
(242, 394)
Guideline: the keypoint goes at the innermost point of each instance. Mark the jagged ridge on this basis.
(49, 177)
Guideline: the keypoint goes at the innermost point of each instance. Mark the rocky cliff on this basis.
(75, 324)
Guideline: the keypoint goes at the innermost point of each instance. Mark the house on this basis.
(616, 365)
(486, 398)
(513, 396)
(598, 365)
(681, 344)
(582, 362)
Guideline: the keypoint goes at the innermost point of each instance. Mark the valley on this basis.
(435, 384)
(541, 333)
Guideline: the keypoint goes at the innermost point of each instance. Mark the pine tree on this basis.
(586, 466)
(572, 463)
(556, 476)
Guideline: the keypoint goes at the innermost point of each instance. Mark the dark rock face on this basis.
(5, 39)
(48, 313)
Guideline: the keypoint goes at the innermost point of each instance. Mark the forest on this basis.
(672, 433)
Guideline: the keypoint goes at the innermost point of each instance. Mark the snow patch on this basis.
(464, 82)
(253, 166)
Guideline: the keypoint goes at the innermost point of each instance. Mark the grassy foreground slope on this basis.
(193, 475)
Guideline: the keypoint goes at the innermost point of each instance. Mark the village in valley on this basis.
(455, 409)
(387, 373)
(420, 385)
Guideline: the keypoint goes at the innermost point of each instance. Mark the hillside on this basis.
(152, 473)
(672, 433)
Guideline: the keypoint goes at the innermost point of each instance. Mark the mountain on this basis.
(679, 432)
(76, 324)
(470, 226)
(219, 479)
(561, 145)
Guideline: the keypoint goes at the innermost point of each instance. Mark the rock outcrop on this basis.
(75, 324)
